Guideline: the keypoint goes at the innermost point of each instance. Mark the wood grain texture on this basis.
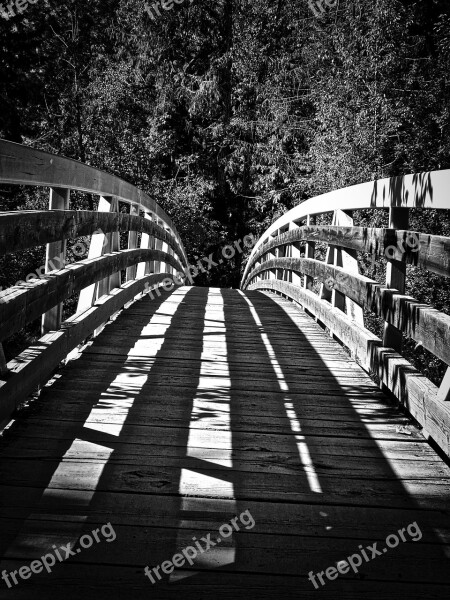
(22, 304)
(421, 190)
(187, 411)
(25, 229)
(411, 388)
(22, 165)
(34, 366)
(431, 252)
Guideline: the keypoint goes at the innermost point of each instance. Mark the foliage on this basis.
(230, 113)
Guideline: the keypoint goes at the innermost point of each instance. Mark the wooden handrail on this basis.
(416, 320)
(22, 304)
(277, 264)
(21, 230)
(161, 259)
(420, 190)
(431, 252)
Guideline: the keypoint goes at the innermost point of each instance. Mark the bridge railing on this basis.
(284, 260)
(160, 260)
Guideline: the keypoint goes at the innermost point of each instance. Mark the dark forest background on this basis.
(231, 112)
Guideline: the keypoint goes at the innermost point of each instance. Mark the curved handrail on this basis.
(160, 261)
(29, 228)
(421, 190)
(283, 261)
(23, 165)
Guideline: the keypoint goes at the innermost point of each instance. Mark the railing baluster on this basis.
(310, 252)
(110, 244)
(348, 260)
(143, 268)
(132, 243)
(395, 276)
(158, 246)
(96, 248)
(55, 258)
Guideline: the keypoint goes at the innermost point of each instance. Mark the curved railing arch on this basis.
(284, 261)
(160, 260)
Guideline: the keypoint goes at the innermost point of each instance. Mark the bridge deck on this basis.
(201, 406)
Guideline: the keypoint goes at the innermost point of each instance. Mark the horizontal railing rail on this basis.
(27, 229)
(22, 165)
(107, 280)
(285, 260)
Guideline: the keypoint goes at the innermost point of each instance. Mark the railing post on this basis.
(273, 253)
(310, 252)
(158, 246)
(100, 241)
(111, 243)
(132, 243)
(327, 292)
(55, 258)
(143, 268)
(165, 248)
(395, 276)
(348, 260)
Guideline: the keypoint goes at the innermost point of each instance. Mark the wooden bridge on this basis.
(189, 442)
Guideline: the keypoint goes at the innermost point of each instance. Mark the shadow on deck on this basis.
(202, 406)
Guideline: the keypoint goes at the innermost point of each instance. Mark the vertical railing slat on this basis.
(55, 259)
(132, 243)
(98, 242)
(395, 276)
(310, 252)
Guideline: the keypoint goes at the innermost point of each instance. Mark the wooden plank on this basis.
(356, 522)
(354, 489)
(112, 440)
(261, 553)
(102, 582)
(34, 366)
(411, 388)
